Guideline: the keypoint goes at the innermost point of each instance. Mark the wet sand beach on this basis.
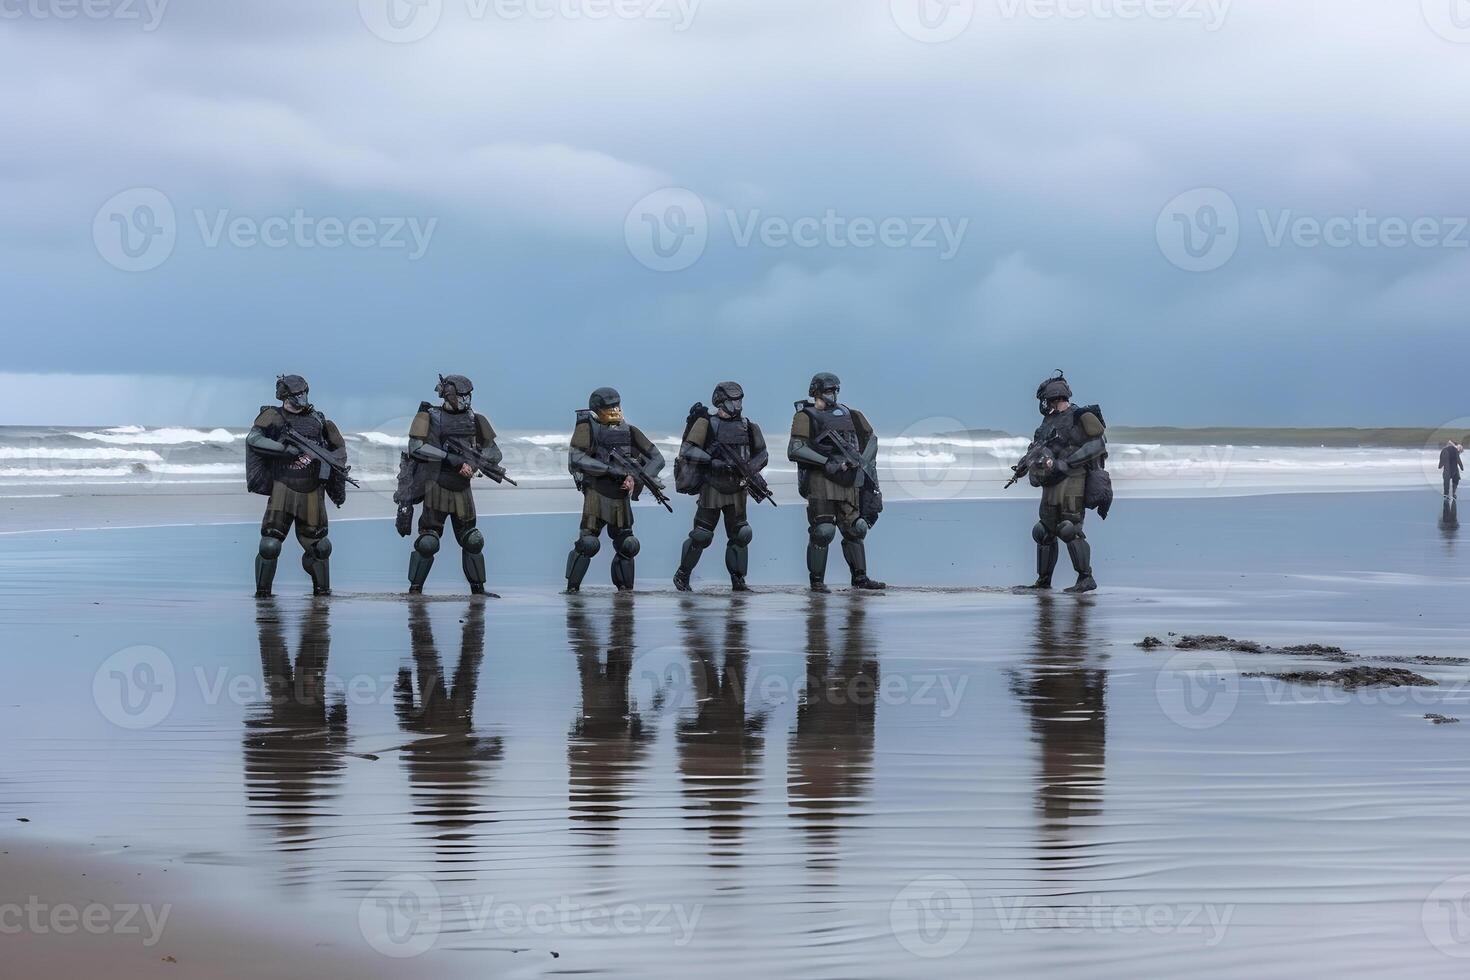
(951, 778)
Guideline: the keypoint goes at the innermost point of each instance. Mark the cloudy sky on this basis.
(1208, 212)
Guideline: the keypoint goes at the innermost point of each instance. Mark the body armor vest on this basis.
(605, 439)
(311, 426)
(837, 420)
(462, 427)
(733, 434)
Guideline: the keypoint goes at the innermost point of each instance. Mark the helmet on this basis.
(1051, 389)
(608, 405)
(293, 390)
(729, 398)
(455, 390)
(824, 384)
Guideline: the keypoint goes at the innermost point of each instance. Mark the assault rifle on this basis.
(1036, 455)
(849, 456)
(751, 480)
(642, 479)
(326, 457)
(478, 462)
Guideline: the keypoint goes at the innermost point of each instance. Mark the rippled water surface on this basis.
(943, 780)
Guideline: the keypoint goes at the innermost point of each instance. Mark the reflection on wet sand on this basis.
(1066, 700)
(294, 739)
(831, 752)
(608, 743)
(447, 760)
(719, 744)
(1449, 520)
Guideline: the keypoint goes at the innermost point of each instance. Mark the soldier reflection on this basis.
(1449, 521)
(294, 740)
(1067, 702)
(719, 744)
(607, 743)
(448, 759)
(831, 752)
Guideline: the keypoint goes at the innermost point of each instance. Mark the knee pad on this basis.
(701, 536)
(855, 531)
(427, 545)
(588, 545)
(1040, 534)
(321, 548)
(823, 533)
(473, 541)
(1068, 532)
(270, 547)
(628, 546)
(742, 535)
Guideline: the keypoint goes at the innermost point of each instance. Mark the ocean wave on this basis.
(384, 439)
(132, 435)
(45, 452)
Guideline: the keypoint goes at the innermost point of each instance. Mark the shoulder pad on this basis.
(424, 406)
(586, 415)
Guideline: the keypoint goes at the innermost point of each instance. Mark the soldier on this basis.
(1074, 444)
(608, 485)
(830, 482)
(722, 491)
(297, 457)
(444, 438)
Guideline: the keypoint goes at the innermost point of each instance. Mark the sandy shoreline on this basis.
(765, 779)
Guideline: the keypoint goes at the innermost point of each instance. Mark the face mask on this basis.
(611, 416)
(457, 402)
(298, 403)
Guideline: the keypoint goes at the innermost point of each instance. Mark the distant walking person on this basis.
(1451, 464)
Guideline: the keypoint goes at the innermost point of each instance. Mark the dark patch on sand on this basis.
(1440, 719)
(1150, 643)
(1322, 651)
(1352, 678)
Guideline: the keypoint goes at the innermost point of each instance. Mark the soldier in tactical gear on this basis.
(721, 492)
(830, 485)
(608, 487)
(296, 484)
(447, 492)
(1076, 443)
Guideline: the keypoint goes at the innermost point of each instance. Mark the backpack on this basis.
(689, 476)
